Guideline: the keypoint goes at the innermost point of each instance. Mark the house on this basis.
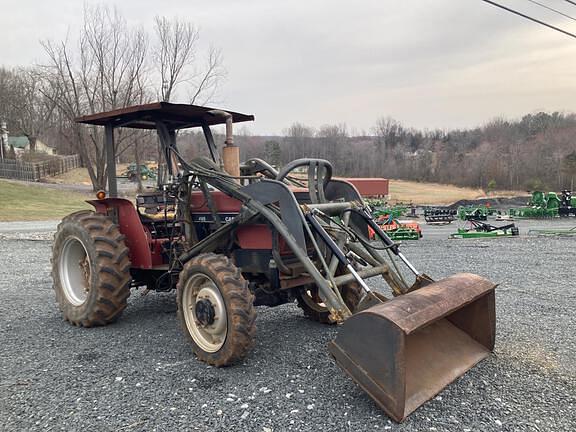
(22, 144)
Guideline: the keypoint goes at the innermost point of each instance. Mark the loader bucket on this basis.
(406, 350)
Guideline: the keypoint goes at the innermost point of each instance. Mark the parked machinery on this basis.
(388, 218)
(541, 205)
(229, 236)
(398, 229)
(479, 229)
(439, 215)
(479, 212)
(567, 204)
(131, 173)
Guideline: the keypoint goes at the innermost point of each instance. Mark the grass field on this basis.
(22, 202)
(434, 193)
(76, 176)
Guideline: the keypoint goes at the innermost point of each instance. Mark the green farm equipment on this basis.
(404, 233)
(393, 211)
(145, 172)
(399, 230)
(541, 205)
(480, 212)
(387, 219)
(478, 229)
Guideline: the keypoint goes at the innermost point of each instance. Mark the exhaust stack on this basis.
(230, 153)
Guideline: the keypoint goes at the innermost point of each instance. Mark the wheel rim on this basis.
(75, 271)
(210, 337)
(313, 300)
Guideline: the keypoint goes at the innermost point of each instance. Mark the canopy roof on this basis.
(175, 116)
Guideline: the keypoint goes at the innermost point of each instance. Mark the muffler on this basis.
(406, 350)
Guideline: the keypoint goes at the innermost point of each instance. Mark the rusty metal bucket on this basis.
(406, 350)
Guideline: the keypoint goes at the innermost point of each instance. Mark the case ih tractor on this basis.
(229, 236)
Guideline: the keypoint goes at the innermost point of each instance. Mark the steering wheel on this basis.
(319, 174)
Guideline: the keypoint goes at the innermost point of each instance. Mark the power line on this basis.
(530, 18)
(552, 9)
(571, 2)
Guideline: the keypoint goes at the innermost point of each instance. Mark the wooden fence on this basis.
(35, 171)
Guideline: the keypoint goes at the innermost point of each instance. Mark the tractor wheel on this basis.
(314, 309)
(90, 269)
(216, 309)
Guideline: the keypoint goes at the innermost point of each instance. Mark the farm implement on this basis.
(398, 229)
(480, 212)
(229, 236)
(541, 205)
(388, 219)
(395, 212)
(479, 229)
(439, 215)
(567, 204)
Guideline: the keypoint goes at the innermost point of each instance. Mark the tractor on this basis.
(230, 236)
(131, 172)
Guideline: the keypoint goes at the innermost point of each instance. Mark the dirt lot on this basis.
(434, 193)
(140, 375)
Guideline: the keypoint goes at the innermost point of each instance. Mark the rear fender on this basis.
(125, 215)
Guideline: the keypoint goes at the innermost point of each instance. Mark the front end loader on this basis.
(229, 236)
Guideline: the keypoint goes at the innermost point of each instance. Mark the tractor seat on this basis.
(151, 206)
(157, 217)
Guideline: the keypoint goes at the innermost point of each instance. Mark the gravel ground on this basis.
(139, 374)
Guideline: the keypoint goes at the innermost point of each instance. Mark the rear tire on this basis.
(216, 309)
(90, 269)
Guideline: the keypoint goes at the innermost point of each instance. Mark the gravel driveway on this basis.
(139, 374)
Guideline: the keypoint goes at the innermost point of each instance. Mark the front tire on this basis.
(216, 309)
(314, 309)
(90, 269)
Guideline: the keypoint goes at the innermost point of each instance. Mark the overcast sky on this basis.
(427, 63)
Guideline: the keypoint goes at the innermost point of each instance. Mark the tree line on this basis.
(537, 151)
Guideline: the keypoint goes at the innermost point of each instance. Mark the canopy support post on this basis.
(110, 150)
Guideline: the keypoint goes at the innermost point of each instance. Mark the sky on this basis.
(427, 63)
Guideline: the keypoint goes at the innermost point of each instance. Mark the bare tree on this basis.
(331, 142)
(176, 57)
(298, 142)
(389, 133)
(206, 82)
(104, 71)
(32, 104)
(7, 78)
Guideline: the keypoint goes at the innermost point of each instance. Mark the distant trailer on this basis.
(371, 187)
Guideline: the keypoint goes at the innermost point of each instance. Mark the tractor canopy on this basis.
(166, 118)
(174, 116)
